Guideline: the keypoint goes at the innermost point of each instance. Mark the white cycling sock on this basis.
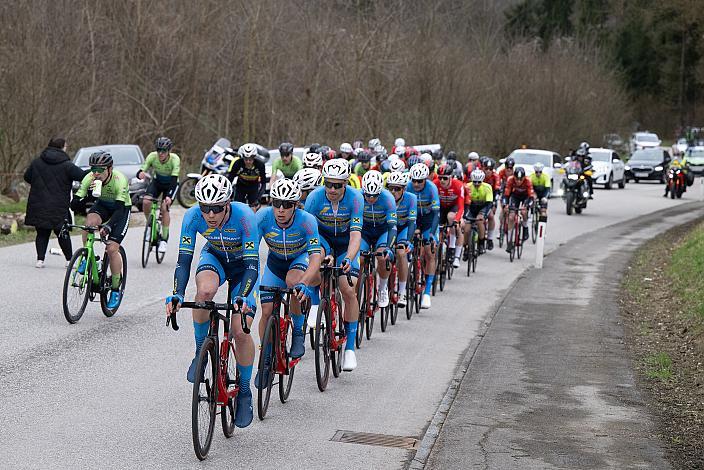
(402, 286)
(490, 236)
(458, 253)
(383, 282)
(453, 240)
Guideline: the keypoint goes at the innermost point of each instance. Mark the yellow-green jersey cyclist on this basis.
(541, 186)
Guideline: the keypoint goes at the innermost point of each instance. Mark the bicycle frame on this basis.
(283, 363)
(93, 274)
(327, 287)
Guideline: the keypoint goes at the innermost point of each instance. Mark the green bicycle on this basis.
(95, 279)
(152, 234)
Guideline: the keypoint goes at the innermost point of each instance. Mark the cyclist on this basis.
(519, 191)
(428, 160)
(451, 192)
(167, 167)
(312, 160)
(112, 206)
(472, 164)
(373, 143)
(398, 143)
(406, 214)
(287, 163)
(293, 261)
(231, 253)
(378, 227)
(504, 174)
(478, 205)
(428, 218)
(308, 179)
(363, 165)
(339, 210)
(354, 180)
(456, 166)
(493, 180)
(541, 185)
(251, 176)
(345, 151)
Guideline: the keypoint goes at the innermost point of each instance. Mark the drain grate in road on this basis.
(371, 439)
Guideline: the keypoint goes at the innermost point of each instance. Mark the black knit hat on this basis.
(57, 142)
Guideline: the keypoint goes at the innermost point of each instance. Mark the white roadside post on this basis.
(540, 242)
(701, 188)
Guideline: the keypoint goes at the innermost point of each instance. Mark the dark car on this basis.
(647, 164)
(126, 158)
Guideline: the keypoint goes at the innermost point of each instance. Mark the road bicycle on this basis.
(515, 234)
(330, 334)
(534, 221)
(367, 296)
(444, 259)
(152, 233)
(473, 244)
(277, 342)
(393, 293)
(216, 386)
(80, 287)
(415, 285)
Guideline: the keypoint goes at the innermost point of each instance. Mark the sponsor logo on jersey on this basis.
(186, 240)
(248, 245)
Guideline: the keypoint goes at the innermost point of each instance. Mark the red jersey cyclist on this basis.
(451, 192)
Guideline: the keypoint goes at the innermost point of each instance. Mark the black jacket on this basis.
(51, 176)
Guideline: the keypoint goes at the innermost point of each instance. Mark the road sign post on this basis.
(540, 242)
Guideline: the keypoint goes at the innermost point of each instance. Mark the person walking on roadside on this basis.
(51, 176)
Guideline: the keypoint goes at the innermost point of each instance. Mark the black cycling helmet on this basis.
(163, 143)
(445, 170)
(437, 154)
(100, 158)
(489, 163)
(520, 172)
(451, 155)
(314, 148)
(510, 162)
(285, 149)
(363, 157)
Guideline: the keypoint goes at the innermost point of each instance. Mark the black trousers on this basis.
(42, 242)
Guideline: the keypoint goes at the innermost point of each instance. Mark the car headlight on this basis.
(627, 168)
(658, 168)
(573, 177)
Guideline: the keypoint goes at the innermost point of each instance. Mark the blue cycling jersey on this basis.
(287, 243)
(428, 203)
(336, 222)
(380, 217)
(407, 211)
(235, 244)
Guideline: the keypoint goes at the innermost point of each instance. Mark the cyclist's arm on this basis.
(315, 255)
(234, 169)
(185, 252)
(460, 205)
(391, 220)
(435, 207)
(146, 165)
(412, 216)
(261, 169)
(356, 225)
(250, 242)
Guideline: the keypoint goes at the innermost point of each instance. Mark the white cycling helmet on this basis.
(373, 143)
(357, 151)
(419, 171)
(372, 182)
(396, 165)
(427, 159)
(312, 159)
(308, 178)
(213, 189)
(346, 147)
(473, 156)
(397, 178)
(400, 150)
(538, 167)
(477, 176)
(285, 190)
(400, 142)
(337, 169)
(248, 151)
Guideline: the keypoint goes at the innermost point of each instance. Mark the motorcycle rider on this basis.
(585, 160)
(251, 176)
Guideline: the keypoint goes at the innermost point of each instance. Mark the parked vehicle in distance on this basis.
(552, 161)
(615, 142)
(647, 164)
(695, 159)
(643, 140)
(127, 159)
(608, 168)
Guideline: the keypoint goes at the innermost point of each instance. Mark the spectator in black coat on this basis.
(51, 176)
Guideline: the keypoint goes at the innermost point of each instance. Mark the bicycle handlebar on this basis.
(210, 306)
(325, 266)
(377, 254)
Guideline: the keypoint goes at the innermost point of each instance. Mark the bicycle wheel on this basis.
(442, 257)
(338, 333)
(372, 305)
(534, 226)
(472, 247)
(519, 244)
(286, 380)
(448, 262)
(410, 290)
(268, 341)
(322, 346)
(438, 268)
(76, 287)
(159, 255)
(362, 300)
(147, 242)
(106, 284)
(227, 411)
(512, 237)
(393, 296)
(502, 233)
(204, 401)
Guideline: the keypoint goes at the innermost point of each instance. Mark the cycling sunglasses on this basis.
(417, 181)
(330, 185)
(98, 169)
(285, 204)
(215, 209)
(395, 189)
(162, 150)
(371, 196)
(444, 178)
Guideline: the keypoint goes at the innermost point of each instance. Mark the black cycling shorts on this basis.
(446, 210)
(249, 194)
(118, 225)
(516, 201)
(473, 210)
(156, 189)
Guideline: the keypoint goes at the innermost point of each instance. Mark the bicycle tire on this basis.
(82, 294)
(147, 243)
(202, 438)
(369, 320)
(534, 225)
(519, 245)
(339, 332)
(420, 288)
(186, 192)
(286, 380)
(450, 266)
(227, 411)
(512, 236)
(159, 256)
(322, 347)
(362, 299)
(393, 297)
(264, 391)
(502, 234)
(410, 290)
(105, 284)
(443, 267)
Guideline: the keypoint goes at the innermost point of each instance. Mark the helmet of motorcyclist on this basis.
(248, 151)
(336, 168)
(477, 176)
(419, 171)
(163, 144)
(213, 189)
(285, 189)
(314, 160)
(308, 178)
(372, 183)
(285, 149)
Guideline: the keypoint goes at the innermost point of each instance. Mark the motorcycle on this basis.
(215, 160)
(576, 188)
(676, 182)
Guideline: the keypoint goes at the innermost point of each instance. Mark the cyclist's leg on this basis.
(151, 192)
(274, 275)
(402, 261)
(429, 258)
(380, 246)
(96, 215)
(118, 224)
(349, 295)
(165, 214)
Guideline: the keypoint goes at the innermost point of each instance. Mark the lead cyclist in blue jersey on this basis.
(379, 226)
(293, 261)
(406, 213)
(230, 253)
(339, 209)
(428, 221)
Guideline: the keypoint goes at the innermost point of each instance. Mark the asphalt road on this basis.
(112, 392)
